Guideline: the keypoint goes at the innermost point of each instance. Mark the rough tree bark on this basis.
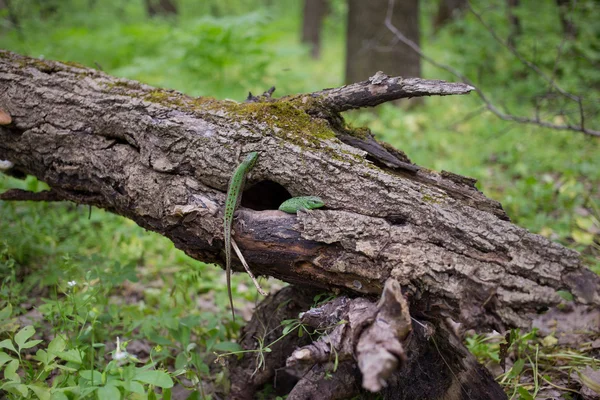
(439, 247)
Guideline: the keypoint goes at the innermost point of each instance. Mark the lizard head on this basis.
(314, 202)
(250, 159)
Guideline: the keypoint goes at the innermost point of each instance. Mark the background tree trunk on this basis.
(447, 10)
(568, 26)
(514, 22)
(371, 47)
(312, 23)
(160, 7)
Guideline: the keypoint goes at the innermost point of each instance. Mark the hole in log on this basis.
(396, 219)
(15, 173)
(265, 195)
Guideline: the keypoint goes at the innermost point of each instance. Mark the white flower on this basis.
(121, 356)
(5, 165)
(118, 354)
(71, 283)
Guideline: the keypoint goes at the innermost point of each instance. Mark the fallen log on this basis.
(163, 159)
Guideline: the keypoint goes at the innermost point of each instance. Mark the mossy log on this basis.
(163, 159)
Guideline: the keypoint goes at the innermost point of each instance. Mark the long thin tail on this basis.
(228, 270)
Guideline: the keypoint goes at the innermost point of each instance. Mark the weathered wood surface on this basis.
(362, 347)
(164, 159)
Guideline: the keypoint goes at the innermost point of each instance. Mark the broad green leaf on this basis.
(156, 378)
(84, 392)
(194, 396)
(288, 328)
(108, 392)
(42, 392)
(24, 334)
(181, 361)
(229, 347)
(136, 387)
(517, 368)
(4, 358)
(91, 375)
(65, 368)
(72, 355)
(58, 395)
(57, 344)
(50, 367)
(7, 344)
(16, 388)
(10, 372)
(30, 344)
(6, 312)
(524, 394)
(42, 356)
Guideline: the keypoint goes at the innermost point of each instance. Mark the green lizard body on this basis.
(234, 197)
(293, 205)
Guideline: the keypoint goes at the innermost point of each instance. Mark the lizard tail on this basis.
(228, 274)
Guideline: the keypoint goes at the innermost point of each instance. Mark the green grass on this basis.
(84, 282)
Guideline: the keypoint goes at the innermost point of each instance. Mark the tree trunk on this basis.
(514, 22)
(429, 243)
(372, 47)
(314, 13)
(568, 26)
(160, 7)
(13, 17)
(448, 10)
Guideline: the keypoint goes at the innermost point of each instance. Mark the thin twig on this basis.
(245, 264)
(469, 115)
(521, 58)
(507, 117)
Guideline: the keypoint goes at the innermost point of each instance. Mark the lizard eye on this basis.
(315, 203)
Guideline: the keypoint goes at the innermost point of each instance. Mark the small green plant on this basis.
(68, 363)
(528, 361)
(289, 326)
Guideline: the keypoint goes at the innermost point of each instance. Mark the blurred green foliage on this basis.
(93, 280)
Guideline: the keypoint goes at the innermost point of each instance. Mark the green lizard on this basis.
(295, 204)
(234, 196)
